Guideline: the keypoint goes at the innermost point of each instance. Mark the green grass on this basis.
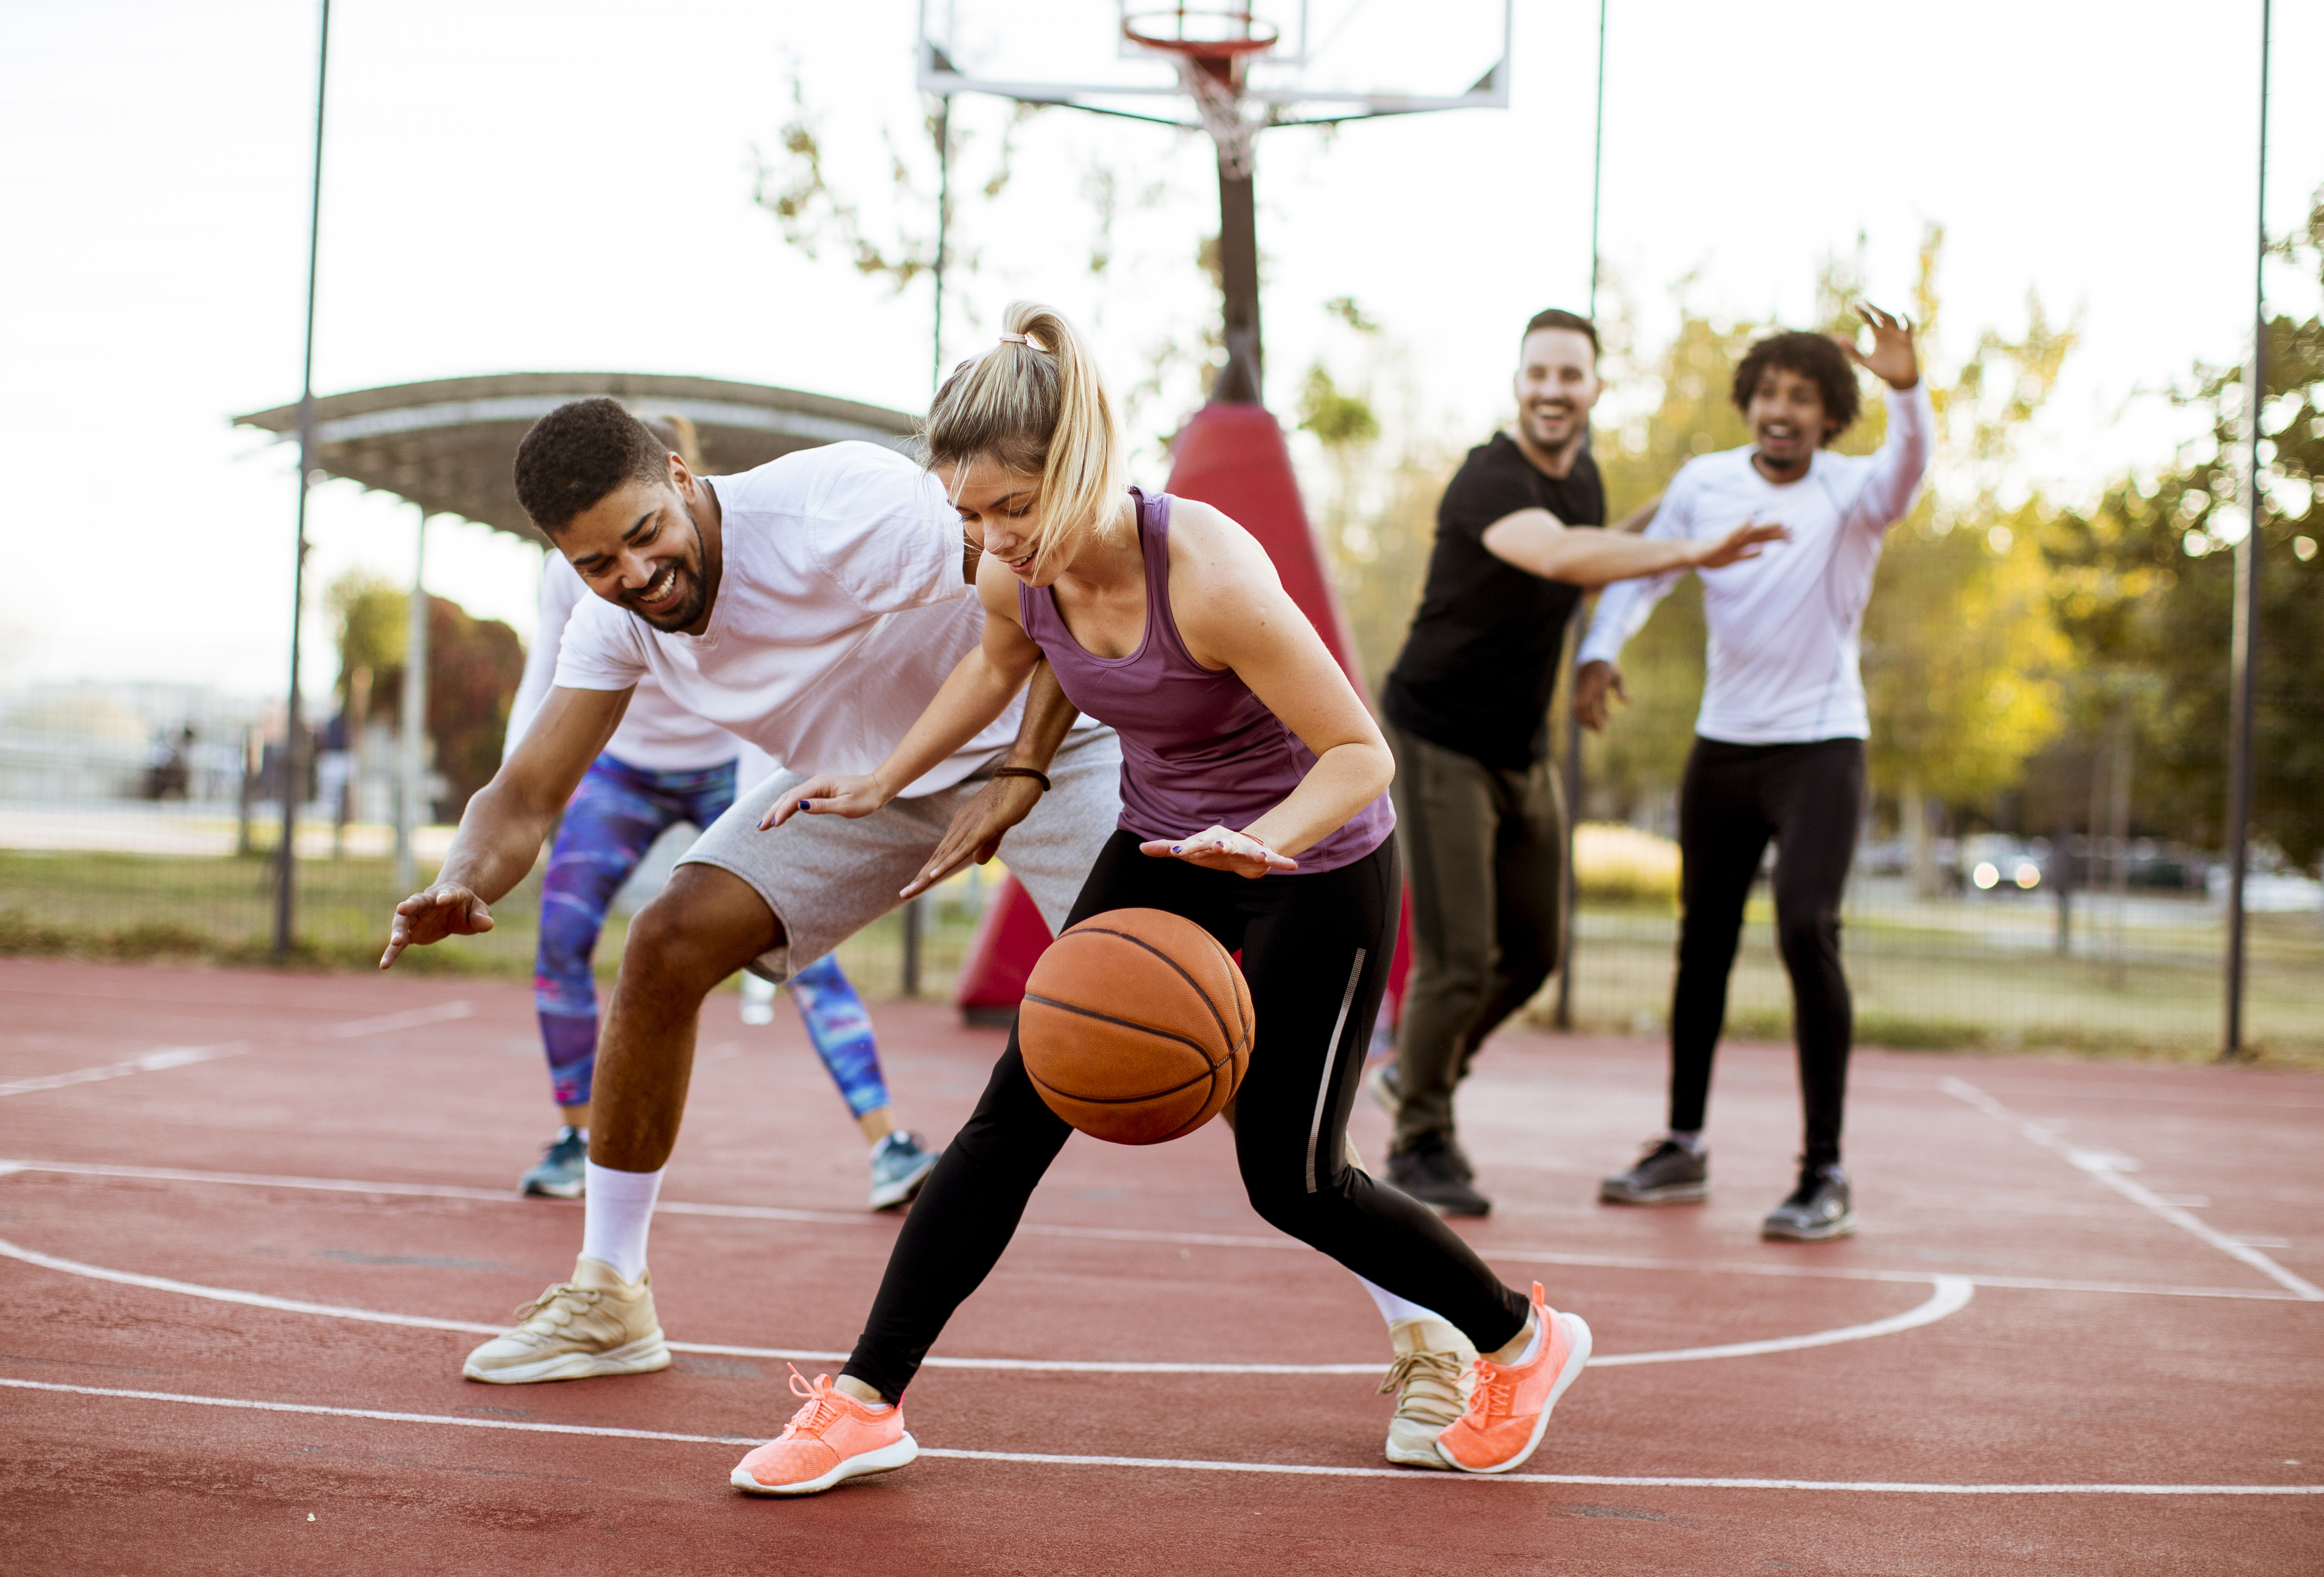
(137, 908)
(1921, 987)
(1918, 981)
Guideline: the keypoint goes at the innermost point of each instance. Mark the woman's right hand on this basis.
(828, 794)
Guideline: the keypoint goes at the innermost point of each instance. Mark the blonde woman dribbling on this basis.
(1254, 802)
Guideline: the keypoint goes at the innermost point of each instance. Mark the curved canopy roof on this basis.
(449, 445)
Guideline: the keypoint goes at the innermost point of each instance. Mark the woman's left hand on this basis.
(1218, 848)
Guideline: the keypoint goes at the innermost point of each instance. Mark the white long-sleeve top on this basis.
(656, 732)
(1782, 661)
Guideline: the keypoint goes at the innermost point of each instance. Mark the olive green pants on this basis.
(1484, 851)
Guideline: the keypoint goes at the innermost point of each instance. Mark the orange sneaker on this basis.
(833, 1437)
(1510, 1406)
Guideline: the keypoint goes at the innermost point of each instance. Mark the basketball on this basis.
(1137, 1027)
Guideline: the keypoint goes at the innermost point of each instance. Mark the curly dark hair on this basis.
(580, 452)
(1811, 356)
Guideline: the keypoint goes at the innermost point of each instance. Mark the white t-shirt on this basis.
(1783, 626)
(655, 734)
(840, 611)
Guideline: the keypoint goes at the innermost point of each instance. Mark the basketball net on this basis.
(1220, 108)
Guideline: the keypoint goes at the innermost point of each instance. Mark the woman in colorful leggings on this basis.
(664, 767)
(1166, 619)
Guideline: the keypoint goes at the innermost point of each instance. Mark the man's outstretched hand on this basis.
(1743, 543)
(977, 828)
(445, 909)
(1892, 360)
(1592, 686)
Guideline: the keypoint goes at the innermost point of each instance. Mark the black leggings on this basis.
(1808, 797)
(1315, 951)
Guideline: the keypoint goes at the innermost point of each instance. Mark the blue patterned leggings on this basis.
(612, 820)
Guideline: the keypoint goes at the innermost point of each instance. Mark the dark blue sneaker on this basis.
(899, 1164)
(559, 1175)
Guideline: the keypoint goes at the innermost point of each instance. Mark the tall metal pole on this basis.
(1240, 380)
(294, 777)
(944, 225)
(1570, 879)
(2249, 561)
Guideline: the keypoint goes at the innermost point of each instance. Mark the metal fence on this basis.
(145, 842)
(2013, 945)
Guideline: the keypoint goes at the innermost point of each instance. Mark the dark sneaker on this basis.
(1430, 1173)
(1667, 1174)
(1380, 1079)
(899, 1164)
(1819, 1208)
(559, 1175)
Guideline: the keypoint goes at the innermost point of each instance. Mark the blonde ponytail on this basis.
(1035, 405)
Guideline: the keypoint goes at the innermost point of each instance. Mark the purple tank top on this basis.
(1197, 747)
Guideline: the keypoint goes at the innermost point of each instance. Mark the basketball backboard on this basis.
(1333, 59)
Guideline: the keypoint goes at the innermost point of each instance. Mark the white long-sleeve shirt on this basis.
(1782, 661)
(656, 732)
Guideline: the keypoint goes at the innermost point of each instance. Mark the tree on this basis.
(2144, 588)
(1962, 665)
(474, 665)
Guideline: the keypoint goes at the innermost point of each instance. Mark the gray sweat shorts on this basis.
(828, 877)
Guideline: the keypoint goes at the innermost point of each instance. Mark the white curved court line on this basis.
(1184, 1465)
(1514, 1255)
(1951, 1295)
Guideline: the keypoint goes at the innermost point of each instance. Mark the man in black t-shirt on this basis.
(1467, 709)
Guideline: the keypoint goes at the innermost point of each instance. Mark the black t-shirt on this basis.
(1478, 669)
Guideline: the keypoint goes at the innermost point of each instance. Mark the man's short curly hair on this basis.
(1816, 356)
(580, 452)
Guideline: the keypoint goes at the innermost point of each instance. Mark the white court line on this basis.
(1513, 1255)
(151, 1062)
(178, 1056)
(1951, 1295)
(443, 1012)
(1186, 1464)
(2107, 1168)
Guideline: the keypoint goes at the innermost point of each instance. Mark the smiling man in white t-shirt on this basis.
(812, 607)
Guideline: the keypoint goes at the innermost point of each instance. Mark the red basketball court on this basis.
(251, 1222)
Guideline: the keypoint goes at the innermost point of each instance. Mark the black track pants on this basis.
(1315, 951)
(1807, 797)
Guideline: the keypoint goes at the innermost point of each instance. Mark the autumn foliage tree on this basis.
(2143, 585)
(472, 669)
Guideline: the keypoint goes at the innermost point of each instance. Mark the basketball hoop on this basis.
(1212, 47)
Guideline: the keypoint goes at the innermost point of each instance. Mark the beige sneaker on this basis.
(595, 1324)
(1430, 1378)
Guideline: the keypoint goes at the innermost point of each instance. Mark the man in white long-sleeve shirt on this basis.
(1779, 746)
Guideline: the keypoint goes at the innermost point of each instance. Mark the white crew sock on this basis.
(1690, 1141)
(618, 1209)
(1533, 1348)
(1392, 1309)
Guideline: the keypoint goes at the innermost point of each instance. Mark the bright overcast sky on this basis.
(516, 185)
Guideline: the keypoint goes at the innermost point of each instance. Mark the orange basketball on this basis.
(1136, 1026)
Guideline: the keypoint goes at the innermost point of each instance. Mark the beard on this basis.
(692, 598)
(1540, 426)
